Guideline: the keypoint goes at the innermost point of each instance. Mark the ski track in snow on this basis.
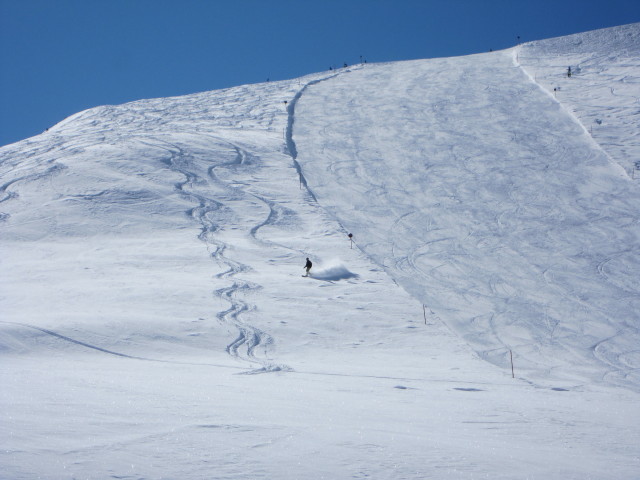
(6, 195)
(250, 339)
(97, 348)
(249, 336)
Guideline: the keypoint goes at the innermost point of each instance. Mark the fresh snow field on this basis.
(155, 324)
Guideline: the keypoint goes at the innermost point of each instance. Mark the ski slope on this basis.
(602, 92)
(154, 322)
(486, 200)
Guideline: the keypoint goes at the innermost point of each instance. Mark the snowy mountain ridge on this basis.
(155, 322)
(602, 91)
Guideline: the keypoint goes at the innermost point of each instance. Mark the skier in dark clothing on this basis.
(308, 266)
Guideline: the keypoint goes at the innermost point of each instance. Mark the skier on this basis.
(308, 266)
(569, 72)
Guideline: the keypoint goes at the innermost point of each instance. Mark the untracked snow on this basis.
(155, 322)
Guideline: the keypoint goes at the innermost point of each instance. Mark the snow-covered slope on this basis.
(603, 91)
(482, 196)
(155, 322)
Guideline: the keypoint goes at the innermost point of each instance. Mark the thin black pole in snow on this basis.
(351, 240)
(424, 312)
(513, 375)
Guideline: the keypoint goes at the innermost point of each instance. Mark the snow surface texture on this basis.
(483, 197)
(154, 322)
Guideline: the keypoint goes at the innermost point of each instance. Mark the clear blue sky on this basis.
(58, 57)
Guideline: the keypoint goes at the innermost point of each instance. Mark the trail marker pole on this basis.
(513, 375)
(351, 240)
(424, 312)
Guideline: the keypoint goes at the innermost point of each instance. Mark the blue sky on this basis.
(58, 57)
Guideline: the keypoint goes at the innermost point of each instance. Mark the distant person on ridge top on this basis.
(308, 266)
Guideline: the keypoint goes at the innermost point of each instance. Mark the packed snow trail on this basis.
(486, 200)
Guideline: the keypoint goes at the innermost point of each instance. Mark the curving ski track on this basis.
(208, 213)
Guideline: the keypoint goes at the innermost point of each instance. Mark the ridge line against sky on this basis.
(59, 58)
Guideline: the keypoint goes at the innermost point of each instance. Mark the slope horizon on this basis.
(170, 48)
(336, 68)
